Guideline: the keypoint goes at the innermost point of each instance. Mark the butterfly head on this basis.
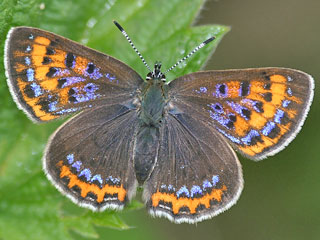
(156, 74)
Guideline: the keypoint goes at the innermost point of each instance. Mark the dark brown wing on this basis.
(258, 110)
(89, 158)
(50, 76)
(197, 174)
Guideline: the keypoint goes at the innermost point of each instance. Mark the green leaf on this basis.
(161, 30)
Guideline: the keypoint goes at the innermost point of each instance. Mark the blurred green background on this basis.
(281, 196)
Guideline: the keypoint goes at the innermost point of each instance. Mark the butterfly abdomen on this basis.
(146, 148)
(147, 138)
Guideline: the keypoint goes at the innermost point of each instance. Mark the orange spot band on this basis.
(90, 187)
(32, 102)
(192, 204)
(267, 142)
(42, 41)
(278, 78)
(233, 89)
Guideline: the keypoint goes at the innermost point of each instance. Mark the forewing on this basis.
(89, 158)
(197, 174)
(50, 76)
(258, 110)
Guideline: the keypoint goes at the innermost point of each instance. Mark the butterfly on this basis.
(175, 139)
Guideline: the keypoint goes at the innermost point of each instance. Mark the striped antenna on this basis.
(131, 43)
(191, 53)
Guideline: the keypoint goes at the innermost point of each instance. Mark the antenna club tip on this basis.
(118, 25)
(209, 40)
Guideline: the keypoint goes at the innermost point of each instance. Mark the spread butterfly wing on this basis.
(50, 76)
(89, 158)
(258, 110)
(197, 174)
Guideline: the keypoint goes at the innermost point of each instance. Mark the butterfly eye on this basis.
(163, 78)
(149, 76)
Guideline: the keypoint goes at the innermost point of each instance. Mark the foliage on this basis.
(160, 29)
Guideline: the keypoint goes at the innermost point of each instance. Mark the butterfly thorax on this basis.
(153, 98)
(153, 101)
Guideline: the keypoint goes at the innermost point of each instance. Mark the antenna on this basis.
(131, 43)
(191, 53)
